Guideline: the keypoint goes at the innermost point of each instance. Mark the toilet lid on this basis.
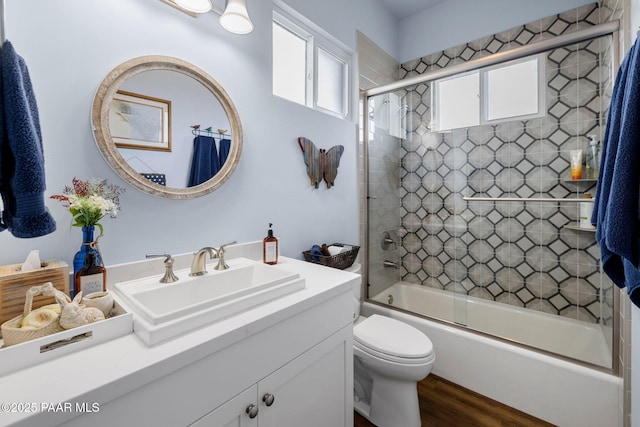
(393, 337)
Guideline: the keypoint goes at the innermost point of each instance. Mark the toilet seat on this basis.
(406, 361)
(392, 340)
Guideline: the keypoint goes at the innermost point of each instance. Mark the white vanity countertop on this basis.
(106, 371)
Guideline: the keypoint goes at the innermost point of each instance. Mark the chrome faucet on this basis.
(221, 264)
(198, 265)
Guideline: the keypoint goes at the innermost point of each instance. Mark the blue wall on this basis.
(455, 22)
(70, 45)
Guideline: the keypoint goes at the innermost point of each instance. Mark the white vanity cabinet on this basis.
(312, 391)
(241, 411)
(303, 359)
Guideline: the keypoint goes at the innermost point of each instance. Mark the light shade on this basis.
(235, 18)
(195, 6)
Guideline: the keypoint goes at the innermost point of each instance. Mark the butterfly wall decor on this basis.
(321, 163)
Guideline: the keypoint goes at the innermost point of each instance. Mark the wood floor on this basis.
(445, 404)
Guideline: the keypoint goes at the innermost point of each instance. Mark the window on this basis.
(512, 90)
(498, 93)
(309, 68)
(457, 103)
(331, 83)
(289, 64)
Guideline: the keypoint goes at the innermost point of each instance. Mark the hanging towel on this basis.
(225, 147)
(22, 180)
(205, 162)
(616, 210)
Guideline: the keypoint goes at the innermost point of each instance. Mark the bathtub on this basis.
(550, 388)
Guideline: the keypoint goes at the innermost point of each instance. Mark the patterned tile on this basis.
(516, 253)
(498, 251)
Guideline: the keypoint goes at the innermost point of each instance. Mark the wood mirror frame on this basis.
(102, 132)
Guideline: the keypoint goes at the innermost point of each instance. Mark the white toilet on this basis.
(390, 357)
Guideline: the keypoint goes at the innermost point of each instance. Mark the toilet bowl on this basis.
(390, 357)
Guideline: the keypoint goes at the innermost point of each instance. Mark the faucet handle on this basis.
(221, 250)
(167, 257)
(221, 264)
(169, 276)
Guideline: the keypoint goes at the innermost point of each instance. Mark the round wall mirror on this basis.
(166, 127)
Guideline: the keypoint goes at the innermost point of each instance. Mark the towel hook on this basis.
(195, 129)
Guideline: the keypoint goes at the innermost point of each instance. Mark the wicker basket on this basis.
(342, 260)
(14, 284)
(13, 334)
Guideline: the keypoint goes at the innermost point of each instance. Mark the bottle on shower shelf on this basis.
(594, 161)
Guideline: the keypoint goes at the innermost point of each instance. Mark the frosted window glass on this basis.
(458, 102)
(331, 82)
(512, 90)
(289, 65)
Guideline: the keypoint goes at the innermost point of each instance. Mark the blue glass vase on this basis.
(81, 255)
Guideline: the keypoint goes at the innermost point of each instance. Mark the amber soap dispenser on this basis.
(90, 278)
(270, 248)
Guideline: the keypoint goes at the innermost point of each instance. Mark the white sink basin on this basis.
(164, 310)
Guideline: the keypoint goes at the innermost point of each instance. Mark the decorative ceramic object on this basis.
(33, 324)
(72, 314)
(41, 317)
(103, 301)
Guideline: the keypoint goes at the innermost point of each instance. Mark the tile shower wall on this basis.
(517, 253)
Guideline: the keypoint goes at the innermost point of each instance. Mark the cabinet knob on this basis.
(252, 410)
(268, 399)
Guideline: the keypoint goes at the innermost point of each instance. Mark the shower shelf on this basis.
(581, 180)
(525, 199)
(578, 228)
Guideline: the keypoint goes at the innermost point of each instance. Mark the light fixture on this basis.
(194, 6)
(235, 17)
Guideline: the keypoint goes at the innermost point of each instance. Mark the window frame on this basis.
(345, 79)
(318, 39)
(541, 65)
(482, 75)
(297, 31)
(435, 98)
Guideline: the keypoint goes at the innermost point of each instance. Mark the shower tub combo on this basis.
(471, 233)
(550, 388)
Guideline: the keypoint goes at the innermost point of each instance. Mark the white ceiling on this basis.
(403, 8)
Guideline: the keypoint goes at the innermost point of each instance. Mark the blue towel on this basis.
(22, 180)
(205, 162)
(617, 204)
(225, 147)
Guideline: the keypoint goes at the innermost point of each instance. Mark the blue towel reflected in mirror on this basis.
(205, 163)
(225, 147)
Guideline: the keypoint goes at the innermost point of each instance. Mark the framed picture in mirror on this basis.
(140, 122)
